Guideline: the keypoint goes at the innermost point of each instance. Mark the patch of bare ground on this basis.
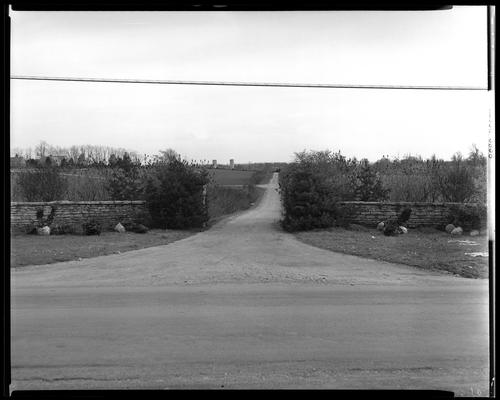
(426, 249)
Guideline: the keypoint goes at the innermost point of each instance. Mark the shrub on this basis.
(311, 187)
(468, 216)
(391, 228)
(43, 220)
(42, 184)
(91, 228)
(63, 229)
(174, 193)
(135, 227)
(404, 216)
(343, 215)
(31, 229)
(125, 184)
(368, 184)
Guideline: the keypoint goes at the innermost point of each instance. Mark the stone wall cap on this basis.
(67, 202)
(405, 203)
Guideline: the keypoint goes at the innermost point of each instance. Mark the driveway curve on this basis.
(246, 305)
(248, 247)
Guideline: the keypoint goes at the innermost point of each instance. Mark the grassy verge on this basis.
(430, 249)
(223, 200)
(261, 177)
(37, 250)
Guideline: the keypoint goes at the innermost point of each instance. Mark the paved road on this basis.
(245, 305)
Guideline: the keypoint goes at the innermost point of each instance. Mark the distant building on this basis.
(55, 160)
(231, 163)
(17, 162)
(214, 163)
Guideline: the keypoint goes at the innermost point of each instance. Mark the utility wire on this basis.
(257, 84)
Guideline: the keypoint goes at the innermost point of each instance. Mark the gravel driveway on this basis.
(245, 305)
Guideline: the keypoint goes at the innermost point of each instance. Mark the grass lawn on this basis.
(429, 249)
(37, 250)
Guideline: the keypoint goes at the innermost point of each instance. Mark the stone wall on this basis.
(422, 214)
(74, 213)
(24, 216)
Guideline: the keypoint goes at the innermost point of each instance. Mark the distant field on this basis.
(91, 184)
(231, 177)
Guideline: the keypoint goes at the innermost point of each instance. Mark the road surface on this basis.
(245, 305)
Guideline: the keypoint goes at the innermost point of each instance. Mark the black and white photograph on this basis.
(252, 199)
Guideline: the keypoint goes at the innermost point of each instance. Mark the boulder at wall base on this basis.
(380, 226)
(403, 230)
(474, 232)
(449, 228)
(457, 231)
(119, 228)
(45, 231)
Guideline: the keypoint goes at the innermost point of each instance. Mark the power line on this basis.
(256, 84)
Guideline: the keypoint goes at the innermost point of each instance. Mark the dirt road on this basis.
(246, 305)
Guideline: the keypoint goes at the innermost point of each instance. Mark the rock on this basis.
(380, 226)
(474, 232)
(119, 228)
(449, 228)
(403, 229)
(45, 231)
(457, 231)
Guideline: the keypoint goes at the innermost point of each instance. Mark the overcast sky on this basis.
(252, 123)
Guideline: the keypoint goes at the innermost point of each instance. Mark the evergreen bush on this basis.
(175, 195)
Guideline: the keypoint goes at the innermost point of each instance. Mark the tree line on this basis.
(76, 155)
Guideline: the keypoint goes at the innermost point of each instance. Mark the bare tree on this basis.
(41, 149)
(169, 155)
(74, 153)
